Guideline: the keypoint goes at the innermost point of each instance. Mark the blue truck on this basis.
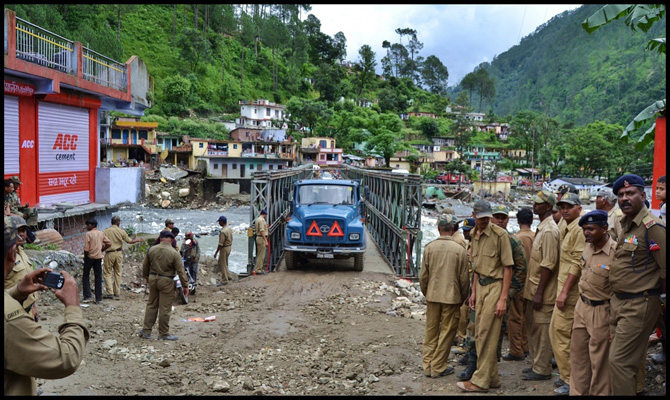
(325, 221)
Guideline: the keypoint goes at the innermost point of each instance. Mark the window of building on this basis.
(259, 167)
(159, 141)
(143, 135)
(116, 134)
(268, 112)
(323, 144)
(332, 144)
(216, 166)
(234, 166)
(270, 166)
(322, 157)
(234, 148)
(255, 111)
(201, 145)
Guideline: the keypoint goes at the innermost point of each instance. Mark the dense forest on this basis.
(560, 85)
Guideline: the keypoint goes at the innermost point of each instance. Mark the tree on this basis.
(307, 114)
(435, 75)
(469, 83)
(398, 59)
(385, 137)
(642, 16)
(414, 47)
(194, 47)
(365, 69)
(328, 80)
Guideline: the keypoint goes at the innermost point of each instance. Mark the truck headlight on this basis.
(295, 235)
(354, 236)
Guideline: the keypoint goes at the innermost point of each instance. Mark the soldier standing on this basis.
(22, 266)
(261, 228)
(160, 265)
(569, 271)
(589, 345)
(492, 263)
(113, 261)
(225, 246)
(540, 288)
(637, 278)
(444, 282)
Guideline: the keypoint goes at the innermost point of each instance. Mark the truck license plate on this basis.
(324, 255)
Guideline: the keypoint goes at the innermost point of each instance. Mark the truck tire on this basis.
(358, 262)
(290, 260)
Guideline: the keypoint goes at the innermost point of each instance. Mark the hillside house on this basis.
(260, 113)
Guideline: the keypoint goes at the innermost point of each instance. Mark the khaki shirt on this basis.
(260, 225)
(93, 243)
(595, 281)
(164, 260)
(562, 227)
(491, 252)
(117, 236)
(191, 251)
(527, 236)
(572, 247)
(226, 237)
(635, 268)
(544, 254)
(460, 239)
(32, 352)
(614, 222)
(519, 269)
(444, 272)
(21, 268)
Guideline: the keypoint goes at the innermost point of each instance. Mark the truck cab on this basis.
(325, 221)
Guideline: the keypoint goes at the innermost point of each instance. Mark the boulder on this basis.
(173, 173)
(184, 192)
(49, 236)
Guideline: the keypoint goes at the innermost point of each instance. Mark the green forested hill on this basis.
(562, 71)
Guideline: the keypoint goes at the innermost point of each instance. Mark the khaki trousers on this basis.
(463, 320)
(540, 346)
(111, 272)
(632, 322)
(441, 324)
(223, 263)
(560, 332)
(161, 297)
(487, 332)
(516, 331)
(260, 254)
(589, 351)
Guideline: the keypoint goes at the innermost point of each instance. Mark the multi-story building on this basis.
(320, 150)
(128, 139)
(260, 113)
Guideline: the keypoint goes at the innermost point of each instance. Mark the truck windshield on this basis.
(326, 194)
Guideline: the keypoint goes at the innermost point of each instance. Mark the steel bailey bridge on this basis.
(393, 213)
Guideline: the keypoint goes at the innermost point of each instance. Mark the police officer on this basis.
(225, 246)
(637, 278)
(492, 263)
(261, 229)
(169, 224)
(540, 288)
(444, 282)
(22, 266)
(468, 224)
(469, 359)
(160, 265)
(560, 192)
(606, 200)
(113, 261)
(30, 351)
(28, 213)
(567, 291)
(514, 316)
(589, 345)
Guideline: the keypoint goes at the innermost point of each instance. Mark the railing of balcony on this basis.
(42, 47)
(103, 70)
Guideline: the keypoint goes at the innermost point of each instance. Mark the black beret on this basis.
(166, 234)
(594, 217)
(627, 180)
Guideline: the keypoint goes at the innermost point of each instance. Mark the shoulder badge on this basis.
(653, 246)
(648, 222)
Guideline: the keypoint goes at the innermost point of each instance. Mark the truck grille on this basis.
(336, 228)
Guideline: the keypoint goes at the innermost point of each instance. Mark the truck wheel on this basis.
(358, 262)
(290, 260)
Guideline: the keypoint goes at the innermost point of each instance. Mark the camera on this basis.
(54, 280)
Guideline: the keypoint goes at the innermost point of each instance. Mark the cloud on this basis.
(461, 36)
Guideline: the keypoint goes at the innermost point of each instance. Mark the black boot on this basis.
(464, 360)
(470, 369)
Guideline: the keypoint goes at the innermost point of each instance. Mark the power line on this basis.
(522, 19)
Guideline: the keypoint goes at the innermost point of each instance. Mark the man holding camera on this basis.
(30, 351)
(22, 266)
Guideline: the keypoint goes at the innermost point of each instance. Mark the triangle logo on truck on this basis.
(335, 230)
(314, 230)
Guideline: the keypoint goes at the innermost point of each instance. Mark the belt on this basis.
(626, 296)
(593, 303)
(164, 276)
(111, 251)
(487, 280)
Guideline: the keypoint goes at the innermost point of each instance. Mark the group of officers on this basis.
(585, 290)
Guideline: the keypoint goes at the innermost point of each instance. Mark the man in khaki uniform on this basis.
(569, 271)
(160, 265)
(589, 346)
(22, 266)
(261, 228)
(113, 261)
(28, 213)
(517, 332)
(225, 246)
(444, 282)
(30, 351)
(469, 359)
(637, 278)
(606, 200)
(492, 264)
(95, 242)
(540, 288)
(468, 224)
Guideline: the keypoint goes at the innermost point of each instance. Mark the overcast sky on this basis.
(461, 36)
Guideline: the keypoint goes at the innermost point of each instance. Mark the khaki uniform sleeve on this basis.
(33, 351)
(464, 277)
(87, 242)
(550, 247)
(124, 236)
(657, 234)
(423, 275)
(106, 241)
(146, 265)
(575, 257)
(506, 256)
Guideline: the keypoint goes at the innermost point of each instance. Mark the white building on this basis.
(261, 113)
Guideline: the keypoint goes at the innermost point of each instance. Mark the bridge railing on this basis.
(393, 216)
(266, 193)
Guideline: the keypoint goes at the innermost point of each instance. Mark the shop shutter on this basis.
(11, 135)
(63, 154)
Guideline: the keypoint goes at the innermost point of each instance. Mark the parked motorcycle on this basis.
(191, 271)
(180, 289)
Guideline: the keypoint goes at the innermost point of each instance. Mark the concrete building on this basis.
(320, 150)
(260, 113)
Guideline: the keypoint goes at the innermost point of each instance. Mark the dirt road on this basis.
(312, 331)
